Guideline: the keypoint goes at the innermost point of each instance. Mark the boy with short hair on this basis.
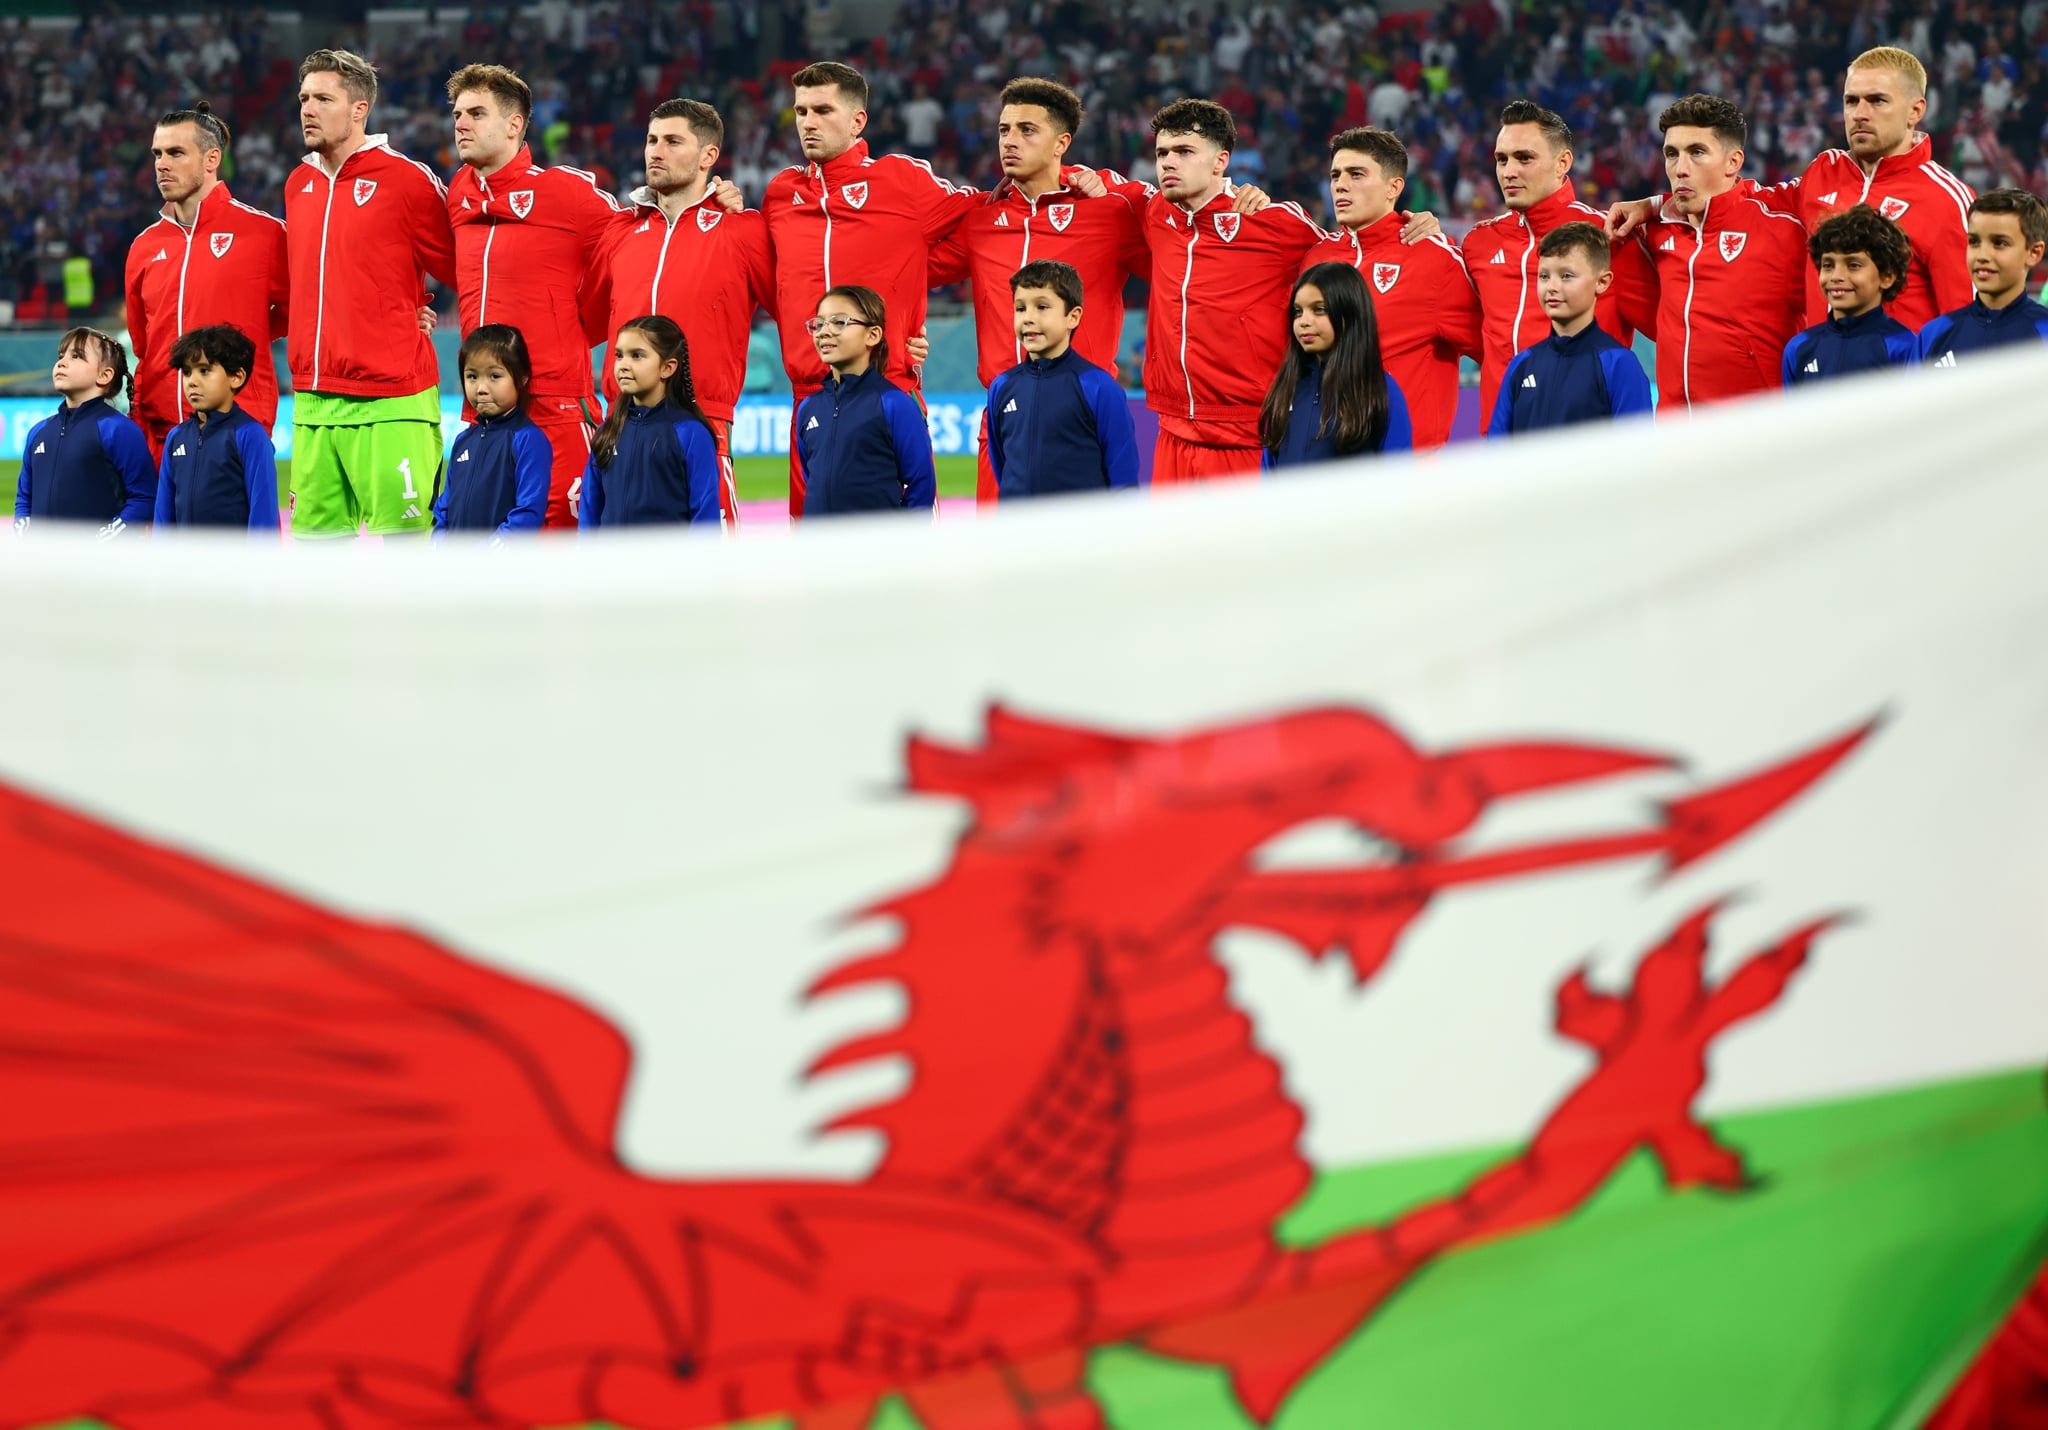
(218, 467)
(1579, 373)
(1057, 423)
(1862, 258)
(2008, 237)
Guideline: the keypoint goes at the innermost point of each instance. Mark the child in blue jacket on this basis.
(1862, 257)
(88, 462)
(2008, 240)
(654, 461)
(1333, 396)
(1056, 422)
(218, 468)
(861, 441)
(497, 478)
(1578, 373)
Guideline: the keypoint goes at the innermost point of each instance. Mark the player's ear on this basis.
(707, 160)
(1564, 161)
(1734, 163)
(860, 122)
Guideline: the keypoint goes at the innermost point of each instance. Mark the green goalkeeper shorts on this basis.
(379, 477)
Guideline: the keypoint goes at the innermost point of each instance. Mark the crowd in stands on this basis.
(75, 175)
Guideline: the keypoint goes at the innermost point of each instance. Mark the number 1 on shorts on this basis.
(405, 470)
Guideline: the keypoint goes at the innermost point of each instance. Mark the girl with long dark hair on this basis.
(1333, 397)
(654, 461)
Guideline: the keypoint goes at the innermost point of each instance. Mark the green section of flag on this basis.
(1888, 1234)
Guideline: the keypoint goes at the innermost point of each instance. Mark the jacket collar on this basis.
(91, 407)
(1182, 217)
(370, 141)
(1918, 155)
(1719, 211)
(1045, 366)
(834, 171)
(1582, 338)
(218, 422)
(1007, 192)
(645, 198)
(217, 198)
(1381, 234)
(852, 380)
(636, 413)
(516, 168)
(1550, 211)
(1862, 323)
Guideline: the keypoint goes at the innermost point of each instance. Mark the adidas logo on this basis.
(807, 426)
(1002, 220)
(161, 255)
(1813, 366)
(1947, 360)
(1500, 257)
(1669, 245)
(411, 512)
(461, 459)
(796, 198)
(1828, 198)
(1010, 406)
(179, 453)
(38, 451)
(1529, 381)
(645, 225)
(466, 208)
(309, 187)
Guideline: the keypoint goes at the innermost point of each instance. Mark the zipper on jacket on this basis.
(1186, 277)
(483, 297)
(178, 388)
(1699, 241)
(320, 300)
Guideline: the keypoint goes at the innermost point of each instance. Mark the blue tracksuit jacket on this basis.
(864, 447)
(86, 463)
(1587, 377)
(221, 474)
(1303, 446)
(497, 477)
(1059, 425)
(665, 470)
(1977, 328)
(1837, 347)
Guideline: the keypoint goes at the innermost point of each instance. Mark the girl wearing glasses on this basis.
(654, 461)
(861, 440)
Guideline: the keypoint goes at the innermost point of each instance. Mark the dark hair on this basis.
(213, 130)
(222, 344)
(1707, 111)
(358, 75)
(1054, 98)
(1197, 116)
(1863, 229)
(1587, 238)
(1063, 278)
(116, 357)
(1527, 111)
(1355, 400)
(873, 311)
(504, 344)
(1381, 146)
(845, 77)
(701, 117)
(513, 94)
(2029, 210)
(680, 391)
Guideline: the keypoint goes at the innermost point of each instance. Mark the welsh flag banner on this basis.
(1552, 937)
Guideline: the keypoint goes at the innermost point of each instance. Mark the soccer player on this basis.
(208, 259)
(218, 467)
(525, 239)
(1034, 214)
(365, 226)
(1862, 258)
(1532, 160)
(846, 216)
(1424, 305)
(1216, 329)
(1580, 373)
(679, 253)
(1889, 165)
(1731, 270)
(2008, 237)
(1057, 422)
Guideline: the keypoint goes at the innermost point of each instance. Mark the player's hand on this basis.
(728, 196)
(1085, 182)
(1627, 216)
(113, 529)
(1415, 228)
(21, 526)
(919, 347)
(1250, 199)
(427, 321)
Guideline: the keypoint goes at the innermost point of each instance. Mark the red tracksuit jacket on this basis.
(229, 267)
(1731, 295)
(362, 245)
(1104, 239)
(1501, 255)
(1217, 327)
(525, 239)
(856, 219)
(1428, 315)
(709, 270)
(1927, 201)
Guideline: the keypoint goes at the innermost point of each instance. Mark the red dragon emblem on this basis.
(269, 1165)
